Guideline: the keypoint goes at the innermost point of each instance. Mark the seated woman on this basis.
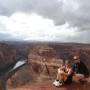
(69, 72)
(61, 73)
(64, 74)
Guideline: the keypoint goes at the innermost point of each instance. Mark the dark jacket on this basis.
(81, 68)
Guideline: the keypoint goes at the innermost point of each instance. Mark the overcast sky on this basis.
(45, 20)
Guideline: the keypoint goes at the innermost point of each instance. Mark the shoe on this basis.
(61, 83)
(57, 83)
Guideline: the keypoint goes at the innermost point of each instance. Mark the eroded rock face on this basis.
(21, 77)
(43, 59)
(7, 57)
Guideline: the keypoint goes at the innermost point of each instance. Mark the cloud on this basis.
(35, 27)
(82, 37)
(76, 12)
(58, 13)
(6, 36)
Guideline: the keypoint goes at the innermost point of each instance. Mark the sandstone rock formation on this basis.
(43, 59)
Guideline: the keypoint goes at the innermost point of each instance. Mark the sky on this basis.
(45, 20)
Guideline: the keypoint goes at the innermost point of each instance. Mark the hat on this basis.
(76, 58)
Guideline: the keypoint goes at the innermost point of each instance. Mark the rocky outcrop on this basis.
(8, 57)
(43, 59)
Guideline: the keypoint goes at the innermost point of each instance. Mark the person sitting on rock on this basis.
(64, 74)
(68, 72)
(60, 75)
(80, 70)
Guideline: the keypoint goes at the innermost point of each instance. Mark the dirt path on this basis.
(48, 86)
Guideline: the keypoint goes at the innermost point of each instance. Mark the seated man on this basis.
(80, 70)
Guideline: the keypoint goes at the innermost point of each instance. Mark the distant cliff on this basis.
(43, 58)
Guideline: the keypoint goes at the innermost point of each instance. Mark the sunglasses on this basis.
(76, 59)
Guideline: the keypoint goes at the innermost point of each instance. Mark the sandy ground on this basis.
(47, 85)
